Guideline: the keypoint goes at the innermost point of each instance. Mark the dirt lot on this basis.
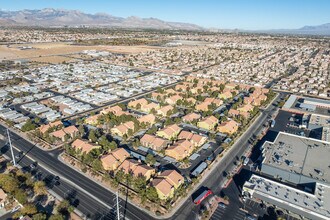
(53, 59)
(129, 49)
(14, 51)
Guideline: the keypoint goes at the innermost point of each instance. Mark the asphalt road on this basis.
(214, 182)
(94, 200)
(97, 202)
(64, 189)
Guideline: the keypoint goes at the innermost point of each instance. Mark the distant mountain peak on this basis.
(62, 17)
(322, 26)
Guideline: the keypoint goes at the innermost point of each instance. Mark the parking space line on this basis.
(240, 214)
(217, 214)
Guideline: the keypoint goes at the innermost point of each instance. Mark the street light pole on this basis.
(11, 148)
(117, 200)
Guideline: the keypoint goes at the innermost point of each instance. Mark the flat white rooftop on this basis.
(289, 198)
(299, 155)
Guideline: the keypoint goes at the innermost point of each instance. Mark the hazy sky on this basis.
(243, 14)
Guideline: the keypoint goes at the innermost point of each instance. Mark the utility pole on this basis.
(11, 148)
(117, 201)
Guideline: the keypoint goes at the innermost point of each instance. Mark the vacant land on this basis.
(38, 50)
(53, 59)
(129, 49)
(49, 50)
(122, 41)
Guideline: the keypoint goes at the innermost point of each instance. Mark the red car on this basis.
(202, 196)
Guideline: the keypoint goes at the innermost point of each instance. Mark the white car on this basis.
(246, 161)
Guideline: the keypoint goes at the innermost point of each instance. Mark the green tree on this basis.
(128, 178)
(81, 130)
(67, 137)
(56, 217)
(37, 120)
(160, 90)
(105, 143)
(152, 130)
(119, 176)
(122, 106)
(64, 207)
(39, 216)
(140, 183)
(70, 150)
(92, 136)
(113, 145)
(129, 132)
(150, 159)
(221, 87)
(40, 188)
(152, 194)
(153, 111)
(21, 196)
(29, 125)
(98, 133)
(8, 183)
(97, 165)
(28, 209)
(251, 90)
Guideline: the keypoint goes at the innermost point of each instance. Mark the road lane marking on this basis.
(69, 181)
(73, 184)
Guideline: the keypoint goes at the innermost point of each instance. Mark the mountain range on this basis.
(323, 29)
(50, 17)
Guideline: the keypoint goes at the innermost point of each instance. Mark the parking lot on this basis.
(224, 213)
(283, 123)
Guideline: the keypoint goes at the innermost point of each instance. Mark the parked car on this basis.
(222, 205)
(246, 161)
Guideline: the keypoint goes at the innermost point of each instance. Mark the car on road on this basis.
(203, 195)
(222, 205)
(33, 165)
(57, 183)
(19, 155)
(57, 178)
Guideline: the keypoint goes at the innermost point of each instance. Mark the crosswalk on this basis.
(223, 214)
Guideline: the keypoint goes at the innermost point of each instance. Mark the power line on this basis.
(11, 148)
